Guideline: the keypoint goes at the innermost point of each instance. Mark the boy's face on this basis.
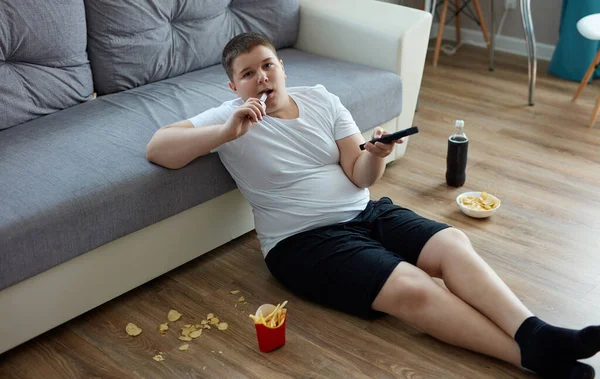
(259, 71)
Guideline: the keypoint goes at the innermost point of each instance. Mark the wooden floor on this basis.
(542, 161)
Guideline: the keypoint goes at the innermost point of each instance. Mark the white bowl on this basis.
(475, 212)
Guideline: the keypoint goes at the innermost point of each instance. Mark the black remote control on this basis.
(388, 138)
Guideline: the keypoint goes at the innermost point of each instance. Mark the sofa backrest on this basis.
(43, 62)
(131, 43)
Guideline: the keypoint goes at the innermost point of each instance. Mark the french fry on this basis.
(281, 317)
(283, 305)
(269, 317)
(273, 319)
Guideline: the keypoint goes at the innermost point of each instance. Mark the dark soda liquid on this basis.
(456, 161)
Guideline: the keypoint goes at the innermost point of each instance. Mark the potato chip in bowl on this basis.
(478, 204)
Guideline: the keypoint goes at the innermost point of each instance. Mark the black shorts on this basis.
(345, 265)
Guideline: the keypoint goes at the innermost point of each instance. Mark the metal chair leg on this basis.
(531, 51)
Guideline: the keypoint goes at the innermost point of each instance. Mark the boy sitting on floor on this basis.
(296, 159)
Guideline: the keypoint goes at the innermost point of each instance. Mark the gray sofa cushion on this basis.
(372, 96)
(82, 179)
(43, 62)
(138, 42)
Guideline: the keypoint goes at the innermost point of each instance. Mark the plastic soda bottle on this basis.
(456, 159)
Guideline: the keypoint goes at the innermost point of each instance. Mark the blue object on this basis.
(574, 53)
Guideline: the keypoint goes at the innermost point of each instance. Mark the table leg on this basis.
(530, 41)
(492, 39)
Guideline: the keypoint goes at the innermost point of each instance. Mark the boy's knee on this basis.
(410, 289)
(460, 248)
(455, 240)
(458, 236)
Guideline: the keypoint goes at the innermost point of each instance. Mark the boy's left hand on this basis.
(379, 149)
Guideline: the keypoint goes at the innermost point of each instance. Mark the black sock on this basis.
(567, 370)
(575, 370)
(541, 343)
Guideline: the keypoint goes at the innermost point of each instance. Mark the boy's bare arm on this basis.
(364, 168)
(174, 146)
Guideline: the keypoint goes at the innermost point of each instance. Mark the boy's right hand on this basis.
(246, 115)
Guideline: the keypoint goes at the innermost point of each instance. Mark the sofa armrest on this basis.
(377, 34)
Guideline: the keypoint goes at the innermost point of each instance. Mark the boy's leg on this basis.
(449, 255)
(441, 251)
(413, 296)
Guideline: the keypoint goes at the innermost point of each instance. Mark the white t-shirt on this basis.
(289, 170)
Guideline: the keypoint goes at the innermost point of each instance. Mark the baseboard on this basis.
(502, 43)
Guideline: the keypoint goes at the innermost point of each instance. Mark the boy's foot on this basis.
(544, 341)
(566, 370)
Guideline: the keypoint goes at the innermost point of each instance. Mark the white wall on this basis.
(545, 14)
(546, 20)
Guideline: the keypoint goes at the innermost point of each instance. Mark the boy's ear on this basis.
(282, 67)
(232, 86)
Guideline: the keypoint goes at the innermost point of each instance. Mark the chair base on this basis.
(458, 9)
(595, 112)
(587, 76)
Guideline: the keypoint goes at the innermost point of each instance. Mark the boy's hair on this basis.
(242, 44)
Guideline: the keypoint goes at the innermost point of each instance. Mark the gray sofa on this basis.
(84, 217)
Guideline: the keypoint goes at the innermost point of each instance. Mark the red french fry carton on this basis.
(269, 338)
